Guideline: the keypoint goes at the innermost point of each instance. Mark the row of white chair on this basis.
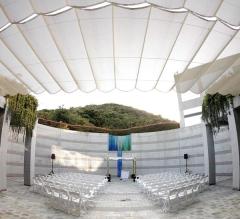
(172, 190)
(72, 193)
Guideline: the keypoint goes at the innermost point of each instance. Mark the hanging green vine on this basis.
(22, 112)
(215, 109)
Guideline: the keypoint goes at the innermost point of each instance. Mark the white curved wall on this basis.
(15, 155)
(155, 151)
(75, 151)
(163, 151)
(223, 152)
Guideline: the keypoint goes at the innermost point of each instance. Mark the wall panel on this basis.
(154, 151)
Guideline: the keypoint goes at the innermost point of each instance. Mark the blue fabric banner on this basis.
(119, 164)
(119, 144)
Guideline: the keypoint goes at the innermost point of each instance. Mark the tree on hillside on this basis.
(112, 116)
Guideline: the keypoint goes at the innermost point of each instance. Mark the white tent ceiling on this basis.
(220, 76)
(229, 84)
(10, 87)
(121, 44)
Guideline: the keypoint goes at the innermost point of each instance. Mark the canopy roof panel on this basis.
(221, 76)
(10, 87)
(120, 44)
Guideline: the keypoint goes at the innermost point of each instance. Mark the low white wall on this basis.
(155, 151)
(86, 152)
(163, 151)
(223, 152)
(75, 151)
(15, 156)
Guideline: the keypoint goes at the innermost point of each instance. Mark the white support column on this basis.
(209, 154)
(29, 157)
(4, 126)
(181, 110)
(234, 130)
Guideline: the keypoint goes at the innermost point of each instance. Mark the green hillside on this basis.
(110, 116)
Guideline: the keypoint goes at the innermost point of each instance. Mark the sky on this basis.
(164, 104)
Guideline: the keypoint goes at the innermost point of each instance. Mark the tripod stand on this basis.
(186, 167)
(53, 157)
(186, 158)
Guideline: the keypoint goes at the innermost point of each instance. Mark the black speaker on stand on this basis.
(53, 157)
(108, 176)
(185, 156)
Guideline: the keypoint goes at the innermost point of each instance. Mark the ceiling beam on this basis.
(169, 54)
(85, 46)
(143, 46)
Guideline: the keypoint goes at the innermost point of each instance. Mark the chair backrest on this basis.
(47, 189)
(173, 192)
(189, 189)
(55, 192)
(196, 186)
(64, 194)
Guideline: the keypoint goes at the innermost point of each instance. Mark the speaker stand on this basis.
(51, 172)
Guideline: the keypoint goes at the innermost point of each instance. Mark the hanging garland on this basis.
(22, 112)
(215, 109)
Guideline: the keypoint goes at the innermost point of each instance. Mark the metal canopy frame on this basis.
(133, 159)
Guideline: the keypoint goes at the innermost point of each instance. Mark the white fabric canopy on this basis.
(120, 44)
(229, 82)
(207, 77)
(11, 87)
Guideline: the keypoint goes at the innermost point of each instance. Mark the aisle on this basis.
(123, 199)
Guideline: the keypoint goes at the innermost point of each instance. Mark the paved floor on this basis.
(122, 200)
